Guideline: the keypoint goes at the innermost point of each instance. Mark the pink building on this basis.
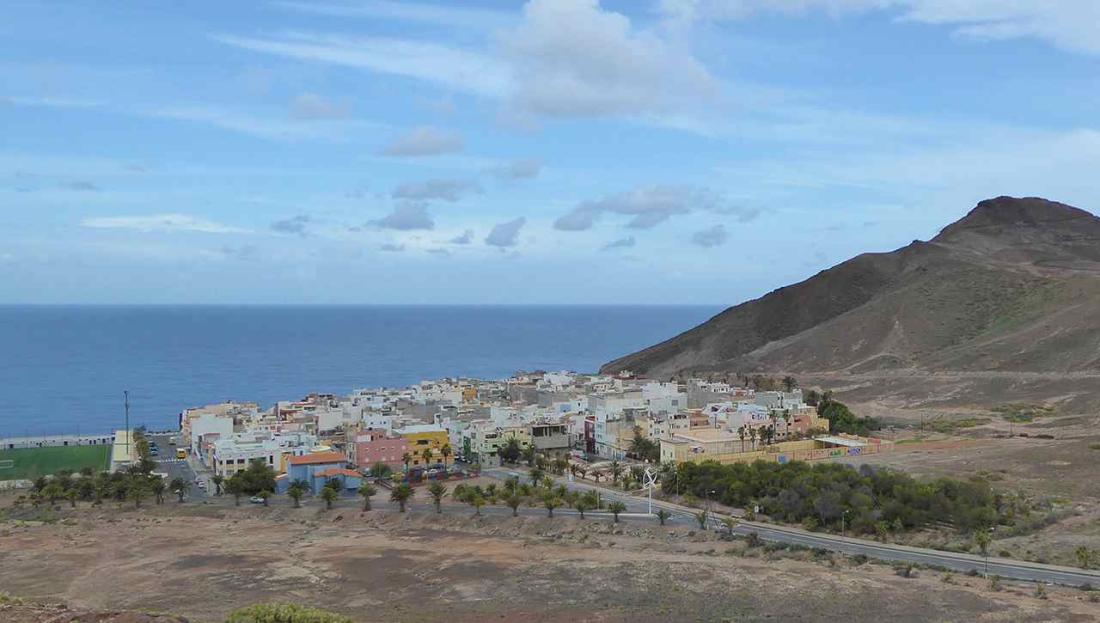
(373, 446)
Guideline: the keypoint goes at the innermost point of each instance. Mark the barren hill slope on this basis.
(1014, 287)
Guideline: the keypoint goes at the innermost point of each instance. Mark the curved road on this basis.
(1006, 568)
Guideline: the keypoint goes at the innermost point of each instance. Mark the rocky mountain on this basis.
(1014, 286)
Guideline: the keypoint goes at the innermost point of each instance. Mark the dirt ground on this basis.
(203, 561)
(1058, 461)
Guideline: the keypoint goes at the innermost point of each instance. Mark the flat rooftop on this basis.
(841, 441)
(707, 435)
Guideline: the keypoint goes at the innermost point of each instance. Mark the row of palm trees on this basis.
(428, 455)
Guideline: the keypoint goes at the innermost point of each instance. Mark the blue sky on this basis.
(553, 151)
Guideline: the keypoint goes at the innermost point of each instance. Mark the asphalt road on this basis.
(1006, 568)
(177, 468)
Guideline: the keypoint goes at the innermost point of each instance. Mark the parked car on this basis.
(256, 499)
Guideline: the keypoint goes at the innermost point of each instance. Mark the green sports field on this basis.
(31, 463)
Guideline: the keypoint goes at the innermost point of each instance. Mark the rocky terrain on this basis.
(1002, 305)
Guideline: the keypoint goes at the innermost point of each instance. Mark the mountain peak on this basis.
(1001, 214)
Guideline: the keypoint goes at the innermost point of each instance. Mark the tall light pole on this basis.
(126, 409)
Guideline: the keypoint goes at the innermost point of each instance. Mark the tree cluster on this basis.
(867, 500)
(842, 420)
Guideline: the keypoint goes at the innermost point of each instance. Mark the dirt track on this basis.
(202, 562)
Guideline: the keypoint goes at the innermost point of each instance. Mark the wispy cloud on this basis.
(621, 243)
(1069, 24)
(296, 225)
(442, 189)
(649, 206)
(424, 141)
(711, 237)
(451, 67)
(435, 14)
(518, 169)
(161, 223)
(313, 107)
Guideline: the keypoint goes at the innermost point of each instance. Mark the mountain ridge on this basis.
(1011, 286)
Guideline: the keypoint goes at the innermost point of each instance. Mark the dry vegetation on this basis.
(202, 561)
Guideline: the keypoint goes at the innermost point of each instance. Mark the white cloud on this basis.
(161, 223)
(424, 141)
(562, 58)
(312, 107)
(446, 190)
(572, 58)
(505, 234)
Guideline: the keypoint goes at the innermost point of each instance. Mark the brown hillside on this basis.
(1013, 286)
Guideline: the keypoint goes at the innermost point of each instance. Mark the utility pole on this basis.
(126, 407)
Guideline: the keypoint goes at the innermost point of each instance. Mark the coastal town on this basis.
(427, 429)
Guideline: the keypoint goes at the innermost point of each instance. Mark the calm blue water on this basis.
(63, 369)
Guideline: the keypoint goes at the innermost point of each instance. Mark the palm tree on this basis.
(551, 501)
(741, 434)
(616, 471)
(752, 437)
(537, 475)
(264, 495)
(789, 383)
(53, 492)
(582, 503)
(701, 517)
(437, 491)
(615, 508)
(158, 487)
(365, 491)
(137, 492)
(628, 480)
(662, 515)
(406, 459)
(217, 479)
(426, 454)
(446, 452)
(513, 502)
(401, 494)
(528, 453)
(72, 494)
(295, 491)
(329, 495)
(477, 501)
(180, 487)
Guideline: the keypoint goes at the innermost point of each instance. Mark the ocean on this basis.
(63, 369)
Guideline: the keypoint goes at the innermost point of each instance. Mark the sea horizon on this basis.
(68, 364)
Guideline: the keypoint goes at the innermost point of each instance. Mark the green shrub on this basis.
(284, 613)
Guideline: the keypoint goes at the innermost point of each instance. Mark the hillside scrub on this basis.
(869, 500)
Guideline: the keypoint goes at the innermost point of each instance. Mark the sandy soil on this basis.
(203, 561)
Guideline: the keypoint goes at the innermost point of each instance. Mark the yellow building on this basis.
(421, 437)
